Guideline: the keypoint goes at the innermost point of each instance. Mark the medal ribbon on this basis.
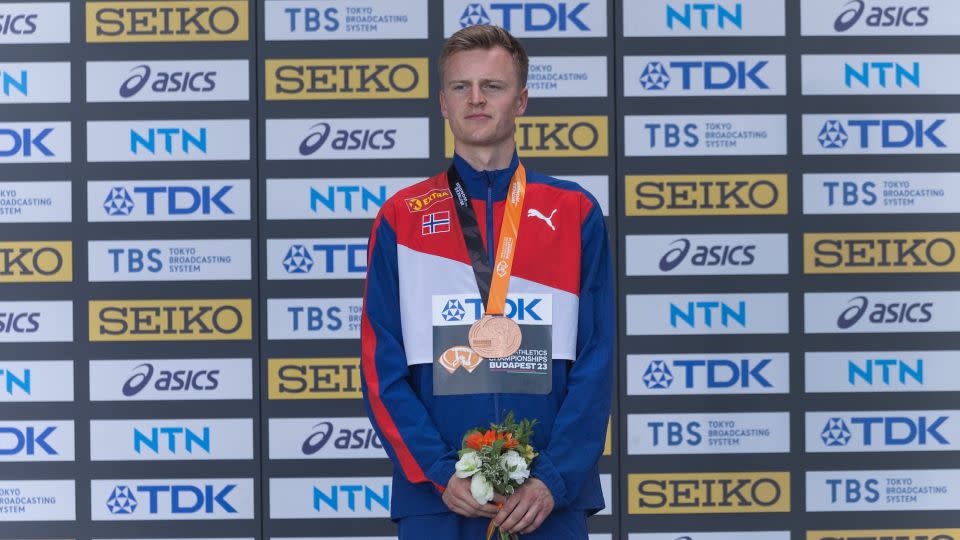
(492, 282)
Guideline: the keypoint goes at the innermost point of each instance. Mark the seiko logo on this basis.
(347, 78)
(346, 439)
(903, 15)
(881, 313)
(170, 320)
(736, 255)
(353, 139)
(706, 195)
(557, 136)
(170, 381)
(113, 19)
(709, 493)
(917, 251)
(25, 261)
(314, 378)
(162, 81)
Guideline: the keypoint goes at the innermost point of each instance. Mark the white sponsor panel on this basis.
(317, 258)
(875, 312)
(178, 538)
(708, 433)
(344, 19)
(168, 260)
(888, 371)
(677, 18)
(742, 535)
(348, 138)
(176, 499)
(871, 193)
(330, 198)
(662, 76)
(606, 487)
(34, 82)
(880, 74)
(35, 202)
(879, 18)
(526, 19)
(567, 76)
(324, 438)
(36, 440)
(882, 431)
(314, 318)
(43, 321)
(38, 500)
(168, 140)
(36, 381)
(35, 142)
(168, 80)
(35, 22)
(698, 314)
(846, 491)
(334, 538)
(686, 135)
(920, 133)
(171, 440)
(597, 185)
(171, 380)
(706, 254)
(691, 374)
(307, 498)
(168, 200)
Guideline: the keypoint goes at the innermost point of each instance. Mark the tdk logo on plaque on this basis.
(194, 80)
(168, 140)
(292, 498)
(331, 438)
(546, 18)
(668, 314)
(702, 374)
(35, 142)
(653, 255)
(465, 309)
(648, 76)
(748, 134)
(345, 19)
(37, 440)
(348, 138)
(171, 200)
(178, 499)
(700, 433)
(675, 18)
(35, 22)
(317, 258)
(882, 134)
(881, 490)
(881, 431)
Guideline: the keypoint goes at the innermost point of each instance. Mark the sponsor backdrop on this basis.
(186, 190)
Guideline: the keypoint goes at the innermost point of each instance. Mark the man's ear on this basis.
(443, 105)
(522, 102)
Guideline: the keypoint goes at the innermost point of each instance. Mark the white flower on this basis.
(468, 465)
(481, 489)
(512, 459)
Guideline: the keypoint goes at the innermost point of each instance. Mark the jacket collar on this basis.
(479, 181)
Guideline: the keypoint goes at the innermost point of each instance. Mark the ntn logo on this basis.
(867, 371)
(351, 494)
(187, 139)
(879, 72)
(706, 13)
(11, 81)
(706, 311)
(346, 195)
(177, 438)
(12, 380)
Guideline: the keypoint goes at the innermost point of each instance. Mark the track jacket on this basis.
(414, 254)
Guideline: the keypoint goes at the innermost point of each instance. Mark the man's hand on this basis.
(526, 509)
(458, 499)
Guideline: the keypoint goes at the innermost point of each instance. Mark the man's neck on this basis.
(487, 158)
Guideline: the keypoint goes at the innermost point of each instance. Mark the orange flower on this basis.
(510, 441)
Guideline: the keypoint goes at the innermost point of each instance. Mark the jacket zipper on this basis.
(491, 255)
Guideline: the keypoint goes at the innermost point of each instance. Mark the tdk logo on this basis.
(520, 309)
(869, 431)
(715, 75)
(171, 138)
(167, 82)
(453, 311)
(878, 17)
(178, 439)
(180, 200)
(170, 380)
(713, 373)
(704, 15)
(347, 439)
(15, 383)
(884, 313)
(18, 23)
(28, 441)
(893, 133)
(723, 255)
(345, 197)
(353, 497)
(881, 74)
(25, 142)
(171, 498)
(299, 259)
(347, 139)
(885, 371)
(528, 16)
(708, 313)
(11, 82)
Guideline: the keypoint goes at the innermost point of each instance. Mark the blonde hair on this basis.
(485, 36)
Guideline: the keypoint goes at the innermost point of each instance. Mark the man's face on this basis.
(481, 96)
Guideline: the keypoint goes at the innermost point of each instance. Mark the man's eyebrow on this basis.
(483, 80)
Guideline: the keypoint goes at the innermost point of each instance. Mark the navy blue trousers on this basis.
(560, 525)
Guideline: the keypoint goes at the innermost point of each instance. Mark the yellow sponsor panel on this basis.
(347, 78)
(554, 136)
(706, 195)
(212, 20)
(313, 378)
(608, 443)
(36, 262)
(876, 253)
(887, 534)
(708, 493)
(170, 320)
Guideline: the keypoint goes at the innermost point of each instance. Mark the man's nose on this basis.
(476, 95)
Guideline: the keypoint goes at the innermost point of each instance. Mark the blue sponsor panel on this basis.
(721, 18)
(882, 431)
(679, 314)
(881, 312)
(38, 500)
(168, 200)
(171, 440)
(310, 498)
(36, 440)
(171, 499)
(663, 76)
(871, 193)
(168, 140)
(313, 318)
(290, 20)
(688, 135)
(919, 133)
(523, 19)
(36, 381)
(708, 433)
(330, 198)
(882, 491)
(890, 371)
(317, 258)
(691, 374)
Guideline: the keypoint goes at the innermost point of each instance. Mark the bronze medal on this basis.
(495, 336)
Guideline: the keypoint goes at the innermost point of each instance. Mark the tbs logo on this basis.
(893, 133)
(715, 75)
(533, 16)
(852, 491)
(851, 193)
(347, 139)
(889, 313)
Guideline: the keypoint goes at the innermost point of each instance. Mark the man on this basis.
(435, 248)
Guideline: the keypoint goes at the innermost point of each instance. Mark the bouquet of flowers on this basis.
(497, 460)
